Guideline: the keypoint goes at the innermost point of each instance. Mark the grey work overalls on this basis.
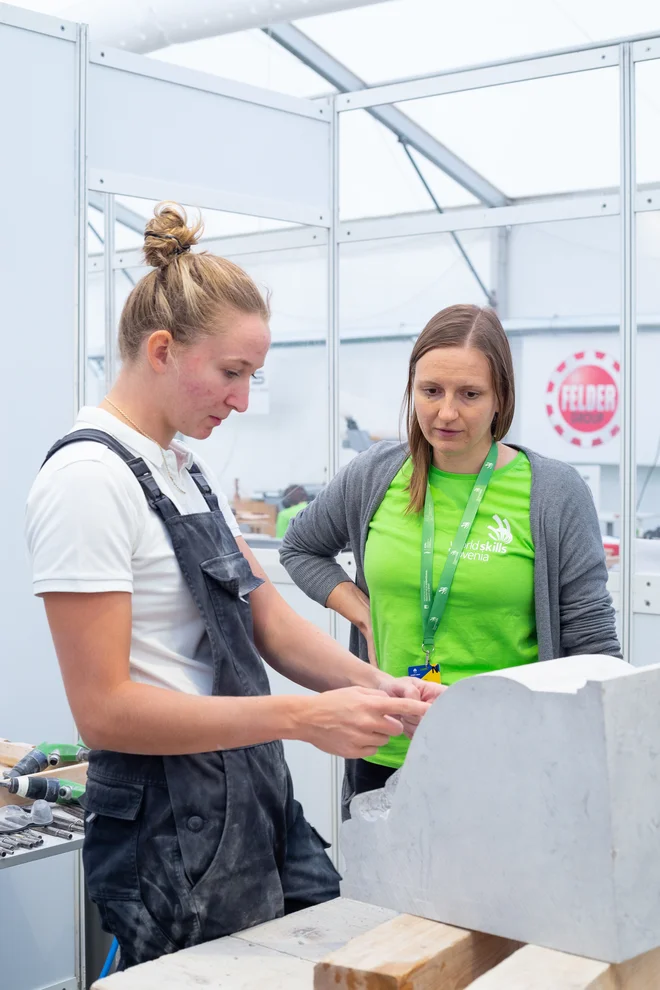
(182, 849)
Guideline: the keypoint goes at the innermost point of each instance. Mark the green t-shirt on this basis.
(489, 622)
(285, 516)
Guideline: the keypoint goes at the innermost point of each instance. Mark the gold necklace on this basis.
(140, 430)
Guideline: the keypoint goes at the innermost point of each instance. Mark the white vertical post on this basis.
(628, 347)
(333, 405)
(80, 378)
(500, 239)
(81, 218)
(109, 288)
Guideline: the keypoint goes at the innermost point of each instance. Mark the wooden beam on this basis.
(640, 973)
(411, 953)
(12, 752)
(545, 969)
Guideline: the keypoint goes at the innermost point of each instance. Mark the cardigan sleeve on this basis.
(316, 535)
(587, 619)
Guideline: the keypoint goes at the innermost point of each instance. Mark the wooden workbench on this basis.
(347, 945)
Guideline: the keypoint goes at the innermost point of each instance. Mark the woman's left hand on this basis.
(410, 687)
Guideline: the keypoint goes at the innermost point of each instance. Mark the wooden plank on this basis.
(315, 932)
(411, 953)
(224, 964)
(77, 773)
(12, 752)
(641, 973)
(533, 968)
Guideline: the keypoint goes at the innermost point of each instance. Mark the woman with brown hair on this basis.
(472, 555)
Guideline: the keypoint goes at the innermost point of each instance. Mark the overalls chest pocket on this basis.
(229, 581)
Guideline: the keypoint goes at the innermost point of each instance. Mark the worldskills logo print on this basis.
(501, 531)
(500, 537)
(582, 399)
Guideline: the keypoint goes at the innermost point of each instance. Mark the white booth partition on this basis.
(41, 69)
(162, 132)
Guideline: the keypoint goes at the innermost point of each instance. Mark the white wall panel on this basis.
(38, 347)
(37, 277)
(161, 138)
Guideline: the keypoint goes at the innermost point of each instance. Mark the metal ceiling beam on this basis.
(334, 72)
(123, 215)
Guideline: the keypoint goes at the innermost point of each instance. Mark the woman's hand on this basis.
(368, 634)
(346, 599)
(355, 722)
(410, 687)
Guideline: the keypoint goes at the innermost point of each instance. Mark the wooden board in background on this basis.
(12, 752)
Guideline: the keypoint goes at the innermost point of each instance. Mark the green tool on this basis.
(45, 788)
(48, 755)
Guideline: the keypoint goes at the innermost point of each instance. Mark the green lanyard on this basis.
(433, 609)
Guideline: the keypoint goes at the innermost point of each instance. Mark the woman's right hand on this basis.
(355, 722)
(348, 600)
(368, 634)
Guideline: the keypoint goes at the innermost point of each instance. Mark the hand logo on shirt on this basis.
(501, 531)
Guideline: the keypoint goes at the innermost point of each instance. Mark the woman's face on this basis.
(210, 378)
(454, 400)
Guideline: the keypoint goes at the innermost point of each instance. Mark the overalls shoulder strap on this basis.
(210, 497)
(160, 503)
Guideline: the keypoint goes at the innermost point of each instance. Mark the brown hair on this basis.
(186, 292)
(458, 326)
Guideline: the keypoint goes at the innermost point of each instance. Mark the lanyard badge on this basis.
(433, 607)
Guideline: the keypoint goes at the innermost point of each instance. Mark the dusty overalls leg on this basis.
(182, 849)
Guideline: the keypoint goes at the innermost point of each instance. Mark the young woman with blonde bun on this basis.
(160, 616)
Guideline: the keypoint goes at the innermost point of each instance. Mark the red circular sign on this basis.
(588, 398)
(582, 398)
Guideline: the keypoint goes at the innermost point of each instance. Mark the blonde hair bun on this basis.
(168, 235)
(186, 292)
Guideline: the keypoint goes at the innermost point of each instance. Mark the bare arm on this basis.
(297, 648)
(92, 635)
(348, 600)
(301, 652)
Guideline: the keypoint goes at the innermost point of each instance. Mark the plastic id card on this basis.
(426, 672)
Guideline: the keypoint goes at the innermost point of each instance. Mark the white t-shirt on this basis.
(90, 529)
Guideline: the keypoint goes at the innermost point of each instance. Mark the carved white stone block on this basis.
(528, 807)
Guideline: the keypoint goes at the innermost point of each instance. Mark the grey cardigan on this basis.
(574, 612)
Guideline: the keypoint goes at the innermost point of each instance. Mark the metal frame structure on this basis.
(80, 377)
(495, 212)
(625, 203)
(333, 409)
(628, 342)
(409, 132)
